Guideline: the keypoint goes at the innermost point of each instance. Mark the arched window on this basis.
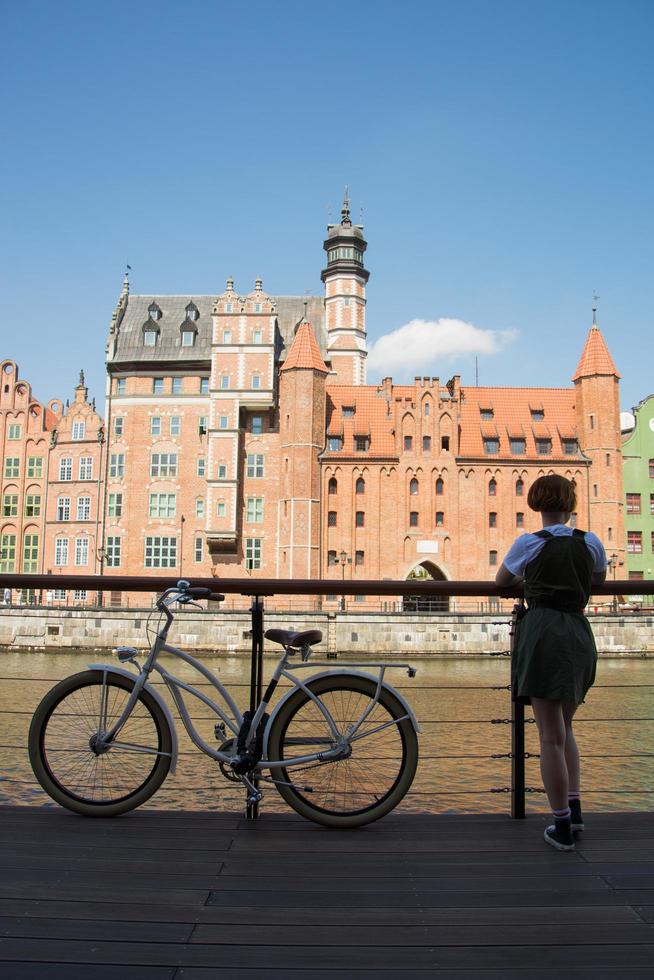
(192, 312)
(440, 487)
(519, 487)
(414, 486)
(361, 485)
(332, 486)
(492, 487)
(154, 312)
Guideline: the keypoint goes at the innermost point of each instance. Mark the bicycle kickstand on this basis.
(254, 795)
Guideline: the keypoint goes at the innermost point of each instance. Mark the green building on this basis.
(638, 470)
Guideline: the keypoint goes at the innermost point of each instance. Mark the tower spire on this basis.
(595, 298)
(345, 210)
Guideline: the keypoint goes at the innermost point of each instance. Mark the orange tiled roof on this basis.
(595, 357)
(304, 352)
(512, 408)
(371, 418)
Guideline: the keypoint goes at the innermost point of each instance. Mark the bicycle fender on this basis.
(112, 669)
(339, 673)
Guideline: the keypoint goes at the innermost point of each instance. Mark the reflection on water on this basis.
(462, 705)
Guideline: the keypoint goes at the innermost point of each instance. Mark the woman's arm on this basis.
(505, 577)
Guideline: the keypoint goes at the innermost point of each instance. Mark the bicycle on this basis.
(102, 741)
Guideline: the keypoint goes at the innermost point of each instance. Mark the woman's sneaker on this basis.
(575, 815)
(559, 835)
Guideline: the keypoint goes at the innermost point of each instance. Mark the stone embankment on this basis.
(344, 633)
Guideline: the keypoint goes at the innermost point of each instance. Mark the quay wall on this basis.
(344, 633)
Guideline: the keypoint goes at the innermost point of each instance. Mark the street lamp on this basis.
(100, 553)
(344, 559)
(613, 564)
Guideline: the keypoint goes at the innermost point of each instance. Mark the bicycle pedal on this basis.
(254, 798)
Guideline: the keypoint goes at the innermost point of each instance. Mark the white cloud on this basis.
(419, 346)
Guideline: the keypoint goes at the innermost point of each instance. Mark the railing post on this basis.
(517, 735)
(256, 678)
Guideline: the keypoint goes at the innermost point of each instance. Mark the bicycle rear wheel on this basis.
(372, 780)
(61, 753)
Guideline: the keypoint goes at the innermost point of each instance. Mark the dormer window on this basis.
(486, 414)
(257, 307)
(149, 337)
(154, 312)
(188, 338)
(348, 411)
(537, 414)
(192, 312)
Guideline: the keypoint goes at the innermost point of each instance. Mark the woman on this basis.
(554, 658)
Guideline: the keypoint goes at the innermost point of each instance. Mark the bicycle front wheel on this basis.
(377, 774)
(61, 745)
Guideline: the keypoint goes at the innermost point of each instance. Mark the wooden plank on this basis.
(70, 971)
(110, 882)
(103, 861)
(315, 973)
(97, 892)
(109, 930)
(472, 898)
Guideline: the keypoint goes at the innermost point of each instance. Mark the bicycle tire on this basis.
(66, 766)
(330, 802)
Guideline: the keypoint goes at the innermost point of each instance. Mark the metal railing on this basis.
(258, 589)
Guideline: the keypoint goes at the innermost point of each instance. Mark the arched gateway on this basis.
(422, 603)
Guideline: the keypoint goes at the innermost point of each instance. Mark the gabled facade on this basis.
(638, 455)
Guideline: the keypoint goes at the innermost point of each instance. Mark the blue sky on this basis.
(501, 152)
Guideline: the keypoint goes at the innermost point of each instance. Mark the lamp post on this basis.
(344, 559)
(613, 562)
(101, 554)
(181, 543)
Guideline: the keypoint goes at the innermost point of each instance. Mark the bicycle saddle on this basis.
(296, 640)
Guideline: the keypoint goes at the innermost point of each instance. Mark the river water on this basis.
(455, 700)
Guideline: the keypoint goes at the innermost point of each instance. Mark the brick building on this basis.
(243, 440)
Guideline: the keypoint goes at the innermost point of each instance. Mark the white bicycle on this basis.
(340, 746)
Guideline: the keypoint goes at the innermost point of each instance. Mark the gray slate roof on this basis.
(130, 347)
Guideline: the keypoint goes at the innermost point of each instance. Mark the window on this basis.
(7, 553)
(117, 466)
(163, 465)
(519, 519)
(175, 425)
(192, 312)
(157, 386)
(204, 386)
(519, 487)
(229, 307)
(427, 409)
(486, 414)
(222, 471)
(59, 594)
(636, 576)
(594, 489)
(331, 518)
(33, 505)
(256, 380)
(203, 425)
(13, 432)
(518, 446)
(359, 518)
(150, 338)
(651, 503)
(360, 486)
(221, 509)
(154, 312)
(257, 307)
(492, 558)
(332, 486)
(538, 414)
(440, 487)
(414, 486)
(633, 503)
(10, 505)
(254, 510)
(440, 518)
(348, 411)
(115, 505)
(651, 542)
(408, 444)
(63, 508)
(121, 386)
(227, 336)
(492, 487)
(361, 443)
(160, 552)
(253, 553)
(255, 466)
(331, 558)
(81, 551)
(30, 552)
(635, 542)
(445, 444)
(257, 337)
(162, 505)
(573, 519)
(176, 386)
(61, 551)
(223, 422)
(359, 557)
(79, 430)
(257, 425)
(197, 550)
(188, 338)
(224, 381)
(570, 447)
(543, 447)
(608, 459)
(155, 425)
(413, 518)
(83, 508)
(86, 467)
(651, 469)
(112, 552)
(492, 518)
(118, 425)
(426, 444)
(334, 444)
(491, 446)
(201, 466)
(199, 507)
(35, 467)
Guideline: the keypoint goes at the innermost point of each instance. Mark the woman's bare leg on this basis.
(571, 749)
(553, 767)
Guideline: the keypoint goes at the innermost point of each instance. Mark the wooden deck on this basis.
(197, 896)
